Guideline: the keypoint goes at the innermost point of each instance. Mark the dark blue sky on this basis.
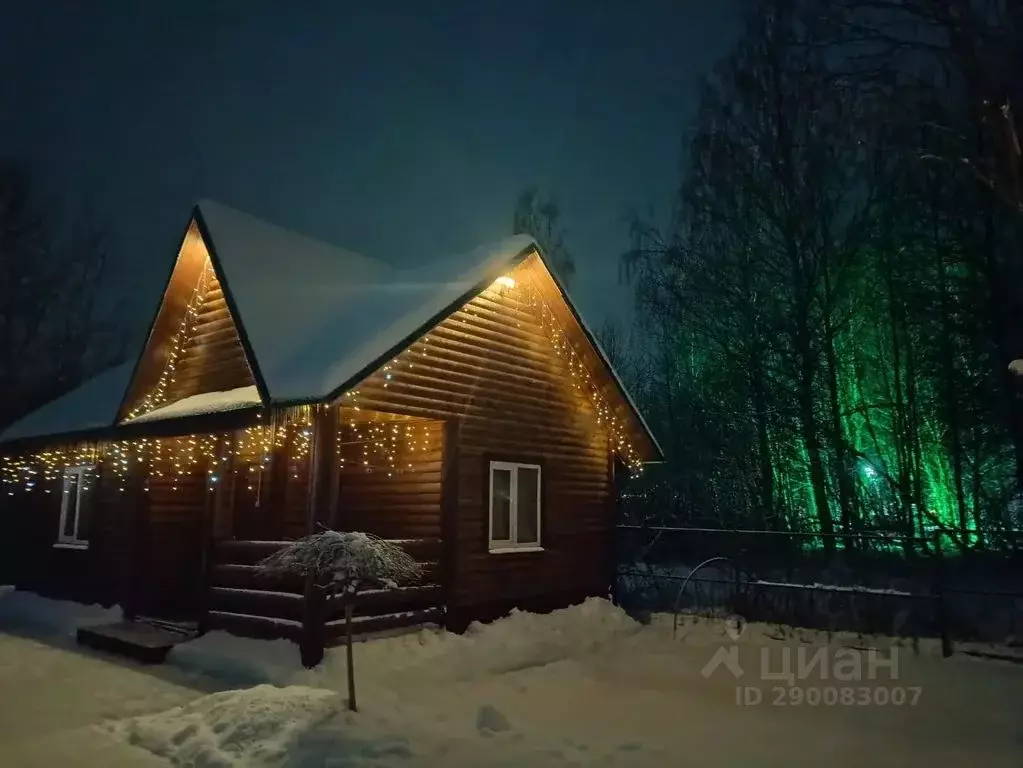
(404, 130)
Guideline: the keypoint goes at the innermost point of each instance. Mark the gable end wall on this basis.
(491, 368)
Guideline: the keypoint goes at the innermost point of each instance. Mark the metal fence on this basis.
(869, 583)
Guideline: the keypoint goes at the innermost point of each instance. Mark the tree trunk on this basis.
(900, 420)
(811, 439)
(350, 657)
(846, 493)
(951, 398)
(916, 508)
(766, 500)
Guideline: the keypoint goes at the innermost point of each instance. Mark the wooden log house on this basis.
(462, 408)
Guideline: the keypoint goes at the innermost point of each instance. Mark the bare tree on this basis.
(973, 49)
(53, 333)
(540, 217)
(966, 55)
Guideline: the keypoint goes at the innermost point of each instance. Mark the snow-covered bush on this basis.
(345, 562)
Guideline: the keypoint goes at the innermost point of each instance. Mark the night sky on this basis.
(404, 130)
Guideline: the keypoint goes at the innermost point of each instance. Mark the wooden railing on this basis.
(246, 602)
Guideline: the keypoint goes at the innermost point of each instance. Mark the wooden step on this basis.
(249, 577)
(238, 551)
(257, 602)
(380, 601)
(288, 604)
(364, 625)
(259, 627)
(420, 549)
(133, 639)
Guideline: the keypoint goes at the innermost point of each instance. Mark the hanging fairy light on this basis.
(159, 394)
(378, 444)
(165, 460)
(523, 302)
(363, 442)
(580, 377)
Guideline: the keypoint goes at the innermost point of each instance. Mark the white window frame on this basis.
(73, 541)
(512, 544)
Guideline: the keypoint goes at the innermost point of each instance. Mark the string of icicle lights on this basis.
(592, 389)
(388, 447)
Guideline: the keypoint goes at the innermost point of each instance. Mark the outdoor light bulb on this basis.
(505, 281)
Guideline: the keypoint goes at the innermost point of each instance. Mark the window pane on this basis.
(529, 482)
(85, 504)
(500, 504)
(69, 504)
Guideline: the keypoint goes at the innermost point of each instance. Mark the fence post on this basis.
(738, 605)
(939, 595)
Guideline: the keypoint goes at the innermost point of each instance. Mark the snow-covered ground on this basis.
(586, 687)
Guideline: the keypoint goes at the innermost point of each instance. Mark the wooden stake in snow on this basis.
(349, 660)
(342, 564)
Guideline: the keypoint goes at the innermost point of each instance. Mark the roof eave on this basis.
(426, 327)
(592, 338)
(173, 427)
(468, 295)
(232, 306)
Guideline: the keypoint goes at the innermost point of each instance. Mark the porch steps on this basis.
(266, 628)
(258, 627)
(240, 551)
(289, 605)
(248, 576)
(368, 625)
(244, 601)
(257, 602)
(403, 598)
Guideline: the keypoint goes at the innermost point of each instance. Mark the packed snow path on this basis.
(53, 698)
(582, 687)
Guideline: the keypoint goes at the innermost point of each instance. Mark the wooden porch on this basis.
(346, 469)
(241, 600)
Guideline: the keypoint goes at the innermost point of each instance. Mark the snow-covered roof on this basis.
(315, 315)
(372, 320)
(93, 405)
(208, 402)
(316, 318)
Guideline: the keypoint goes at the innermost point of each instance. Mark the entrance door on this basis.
(171, 544)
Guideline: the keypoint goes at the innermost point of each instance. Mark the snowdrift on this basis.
(518, 641)
(28, 612)
(254, 726)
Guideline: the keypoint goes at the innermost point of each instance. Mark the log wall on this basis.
(31, 521)
(213, 358)
(206, 350)
(491, 368)
(403, 504)
(172, 539)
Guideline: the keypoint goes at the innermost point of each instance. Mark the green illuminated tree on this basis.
(830, 305)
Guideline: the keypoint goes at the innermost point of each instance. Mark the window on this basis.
(514, 506)
(73, 509)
